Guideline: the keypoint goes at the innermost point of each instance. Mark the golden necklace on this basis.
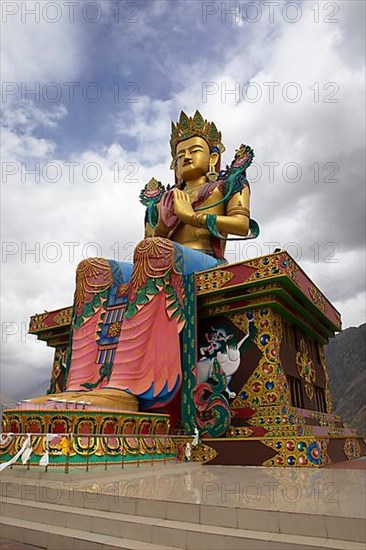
(191, 190)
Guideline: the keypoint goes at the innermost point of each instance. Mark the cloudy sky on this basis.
(89, 90)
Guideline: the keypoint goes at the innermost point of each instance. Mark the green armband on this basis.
(211, 224)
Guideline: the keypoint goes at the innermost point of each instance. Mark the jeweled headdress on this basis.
(195, 126)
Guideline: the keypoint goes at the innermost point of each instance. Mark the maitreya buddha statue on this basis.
(135, 363)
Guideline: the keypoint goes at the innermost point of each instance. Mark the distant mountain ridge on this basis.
(6, 399)
(346, 360)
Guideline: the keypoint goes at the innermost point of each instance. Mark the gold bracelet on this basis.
(239, 210)
(197, 220)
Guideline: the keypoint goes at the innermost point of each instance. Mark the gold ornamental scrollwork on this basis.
(352, 449)
(64, 317)
(317, 298)
(217, 309)
(202, 453)
(328, 398)
(114, 329)
(306, 369)
(37, 322)
(213, 280)
(241, 431)
(273, 265)
(267, 385)
(215, 298)
(240, 320)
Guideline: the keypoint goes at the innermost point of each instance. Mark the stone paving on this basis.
(11, 545)
(322, 491)
(358, 464)
(330, 499)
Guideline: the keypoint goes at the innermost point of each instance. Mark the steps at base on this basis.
(313, 524)
(46, 525)
(61, 538)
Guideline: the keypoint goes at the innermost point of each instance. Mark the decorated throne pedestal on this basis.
(255, 380)
(282, 412)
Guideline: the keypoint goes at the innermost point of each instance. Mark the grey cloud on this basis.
(109, 213)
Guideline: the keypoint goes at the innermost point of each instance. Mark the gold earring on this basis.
(212, 175)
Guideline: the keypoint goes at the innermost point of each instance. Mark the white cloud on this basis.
(37, 50)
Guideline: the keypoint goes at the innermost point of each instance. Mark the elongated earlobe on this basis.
(214, 157)
(212, 175)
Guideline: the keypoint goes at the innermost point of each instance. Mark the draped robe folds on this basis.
(127, 320)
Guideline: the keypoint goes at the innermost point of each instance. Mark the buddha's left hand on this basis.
(182, 206)
(166, 210)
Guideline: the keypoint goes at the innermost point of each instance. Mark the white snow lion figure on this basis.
(226, 350)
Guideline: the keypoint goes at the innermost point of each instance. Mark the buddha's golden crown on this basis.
(195, 126)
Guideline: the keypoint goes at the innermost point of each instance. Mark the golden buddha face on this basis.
(193, 158)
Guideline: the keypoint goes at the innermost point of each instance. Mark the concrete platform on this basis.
(188, 506)
(11, 545)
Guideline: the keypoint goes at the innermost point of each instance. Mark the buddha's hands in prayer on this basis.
(166, 210)
(182, 206)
